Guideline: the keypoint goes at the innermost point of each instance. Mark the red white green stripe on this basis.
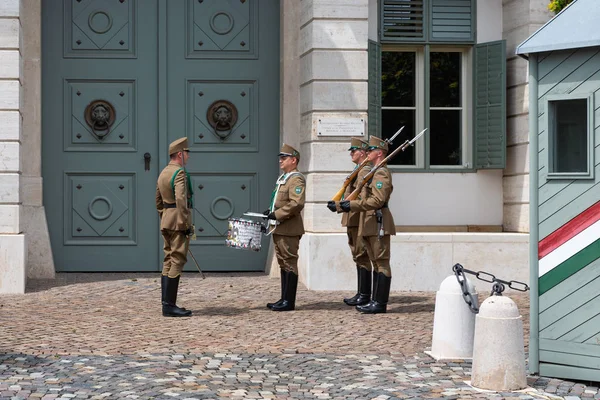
(570, 248)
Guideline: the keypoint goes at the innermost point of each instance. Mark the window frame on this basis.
(422, 105)
(551, 132)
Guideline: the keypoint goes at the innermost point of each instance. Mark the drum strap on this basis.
(281, 181)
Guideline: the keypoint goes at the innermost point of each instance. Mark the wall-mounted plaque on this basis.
(341, 127)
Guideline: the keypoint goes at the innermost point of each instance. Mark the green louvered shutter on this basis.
(490, 105)
(374, 89)
(452, 20)
(402, 20)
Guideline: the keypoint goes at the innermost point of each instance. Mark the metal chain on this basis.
(499, 285)
(467, 296)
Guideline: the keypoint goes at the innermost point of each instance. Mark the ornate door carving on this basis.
(230, 61)
(99, 84)
(122, 79)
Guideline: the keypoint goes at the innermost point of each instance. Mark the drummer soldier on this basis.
(376, 225)
(174, 204)
(286, 204)
(350, 220)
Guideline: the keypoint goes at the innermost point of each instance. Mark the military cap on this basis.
(287, 150)
(178, 145)
(377, 143)
(358, 144)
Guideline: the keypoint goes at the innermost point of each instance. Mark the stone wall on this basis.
(333, 84)
(521, 18)
(12, 240)
(39, 252)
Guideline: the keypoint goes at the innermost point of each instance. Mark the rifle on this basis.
(370, 175)
(350, 178)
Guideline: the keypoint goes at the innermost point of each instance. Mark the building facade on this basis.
(77, 188)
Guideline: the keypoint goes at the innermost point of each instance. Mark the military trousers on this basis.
(286, 250)
(357, 248)
(175, 248)
(379, 253)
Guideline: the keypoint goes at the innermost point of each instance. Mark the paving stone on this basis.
(102, 336)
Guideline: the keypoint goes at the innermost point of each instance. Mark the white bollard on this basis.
(498, 351)
(453, 322)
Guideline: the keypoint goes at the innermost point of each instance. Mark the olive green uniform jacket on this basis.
(289, 203)
(375, 195)
(180, 217)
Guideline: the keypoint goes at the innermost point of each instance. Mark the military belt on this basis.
(174, 205)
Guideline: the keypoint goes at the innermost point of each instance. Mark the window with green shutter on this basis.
(402, 20)
(432, 75)
(427, 21)
(490, 105)
(425, 86)
(452, 20)
(374, 111)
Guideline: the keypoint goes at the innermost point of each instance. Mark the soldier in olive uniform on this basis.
(174, 204)
(376, 225)
(286, 205)
(351, 221)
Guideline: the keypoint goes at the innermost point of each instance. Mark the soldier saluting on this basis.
(351, 221)
(286, 204)
(174, 202)
(376, 225)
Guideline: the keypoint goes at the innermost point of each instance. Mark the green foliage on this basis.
(557, 5)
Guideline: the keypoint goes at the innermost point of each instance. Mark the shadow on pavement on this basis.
(219, 311)
(74, 278)
(397, 307)
(321, 305)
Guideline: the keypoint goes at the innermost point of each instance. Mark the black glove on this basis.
(266, 212)
(345, 205)
(189, 232)
(331, 205)
(271, 216)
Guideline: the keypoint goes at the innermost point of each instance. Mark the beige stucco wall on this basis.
(24, 241)
(323, 73)
(521, 19)
(13, 255)
(39, 252)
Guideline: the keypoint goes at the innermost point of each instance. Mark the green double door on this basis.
(121, 80)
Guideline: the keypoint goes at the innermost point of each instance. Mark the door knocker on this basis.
(100, 115)
(222, 115)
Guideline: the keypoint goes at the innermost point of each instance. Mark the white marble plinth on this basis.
(419, 261)
(13, 261)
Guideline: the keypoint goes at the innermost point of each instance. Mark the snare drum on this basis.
(244, 234)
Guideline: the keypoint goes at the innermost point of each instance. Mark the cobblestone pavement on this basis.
(100, 336)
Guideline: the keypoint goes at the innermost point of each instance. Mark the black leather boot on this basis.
(170, 308)
(379, 303)
(283, 282)
(289, 299)
(363, 296)
(163, 288)
(359, 307)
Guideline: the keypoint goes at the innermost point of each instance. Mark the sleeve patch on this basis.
(298, 189)
(379, 184)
